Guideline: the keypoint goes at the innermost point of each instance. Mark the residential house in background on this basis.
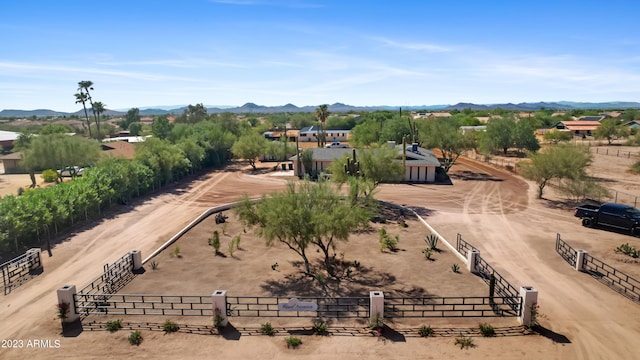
(11, 163)
(578, 127)
(420, 163)
(310, 133)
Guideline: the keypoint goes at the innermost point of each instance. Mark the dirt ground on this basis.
(492, 209)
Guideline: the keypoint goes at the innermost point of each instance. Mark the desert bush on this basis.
(427, 253)
(176, 252)
(170, 326)
(386, 241)
(431, 241)
(293, 342)
(464, 342)
(154, 265)
(319, 327)
(49, 176)
(221, 218)
(214, 241)
(135, 338)
(267, 329)
(628, 250)
(455, 268)
(114, 325)
(425, 331)
(487, 330)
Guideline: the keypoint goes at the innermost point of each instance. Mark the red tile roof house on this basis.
(420, 165)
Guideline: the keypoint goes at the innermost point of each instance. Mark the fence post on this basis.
(136, 257)
(529, 297)
(580, 255)
(219, 301)
(472, 256)
(66, 296)
(34, 254)
(376, 307)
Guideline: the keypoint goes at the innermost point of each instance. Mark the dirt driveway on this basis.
(493, 210)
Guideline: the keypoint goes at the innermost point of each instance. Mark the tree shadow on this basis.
(467, 175)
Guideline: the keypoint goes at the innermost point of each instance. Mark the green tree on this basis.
(132, 116)
(193, 114)
(499, 135)
(82, 98)
(609, 129)
(307, 161)
(55, 129)
(562, 161)
(304, 215)
(166, 160)
(322, 113)
(444, 135)
(86, 86)
(98, 108)
(57, 151)
(135, 128)
(377, 165)
(524, 137)
(366, 132)
(250, 147)
(161, 127)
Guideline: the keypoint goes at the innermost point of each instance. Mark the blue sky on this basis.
(141, 53)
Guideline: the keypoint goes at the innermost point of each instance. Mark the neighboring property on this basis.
(431, 115)
(130, 139)
(310, 133)
(578, 127)
(119, 149)
(633, 124)
(590, 118)
(420, 164)
(7, 138)
(11, 163)
(274, 135)
(466, 129)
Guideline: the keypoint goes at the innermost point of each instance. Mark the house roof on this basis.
(120, 149)
(8, 135)
(590, 118)
(579, 125)
(316, 129)
(12, 156)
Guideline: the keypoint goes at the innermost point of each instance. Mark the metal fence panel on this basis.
(565, 251)
(497, 306)
(267, 306)
(610, 276)
(19, 269)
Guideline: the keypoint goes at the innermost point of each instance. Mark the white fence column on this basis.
(136, 257)
(580, 254)
(219, 301)
(34, 253)
(65, 296)
(376, 307)
(529, 301)
(472, 255)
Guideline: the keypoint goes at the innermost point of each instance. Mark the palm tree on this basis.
(98, 108)
(81, 98)
(322, 113)
(84, 87)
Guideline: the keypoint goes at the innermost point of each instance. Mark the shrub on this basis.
(135, 338)
(425, 331)
(20, 191)
(114, 325)
(63, 310)
(427, 253)
(464, 342)
(176, 252)
(170, 326)
(214, 241)
(217, 318)
(319, 327)
(628, 250)
(293, 342)
(267, 329)
(221, 218)
(386, 241)
(224, 229)
(455, 268)
(234, 244)
(49, 176)
(431, 241)
(487, 330)
(154, 265)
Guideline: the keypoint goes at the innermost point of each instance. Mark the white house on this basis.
(310, 133)
(420, 164)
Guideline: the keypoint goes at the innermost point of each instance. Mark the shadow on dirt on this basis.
(551, 335)
(467, 175)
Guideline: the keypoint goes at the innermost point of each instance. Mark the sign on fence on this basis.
(296, 305)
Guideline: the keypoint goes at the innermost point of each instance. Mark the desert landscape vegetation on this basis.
(493, 202)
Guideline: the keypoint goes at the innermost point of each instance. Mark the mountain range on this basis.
(340, 108)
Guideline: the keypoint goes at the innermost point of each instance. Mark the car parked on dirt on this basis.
(337, 144)
(618, 216)
(71, 171)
